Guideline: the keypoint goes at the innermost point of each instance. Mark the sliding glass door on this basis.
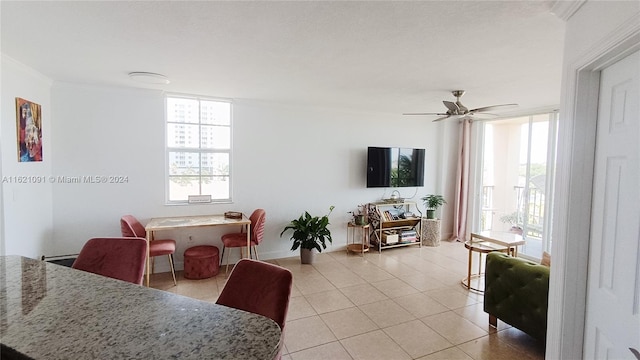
(516, 192)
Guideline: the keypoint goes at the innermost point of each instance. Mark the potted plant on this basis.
(309, 233)
(512, 219)
(432, 203)
(359, 216)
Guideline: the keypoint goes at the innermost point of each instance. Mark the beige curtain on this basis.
(461, 202)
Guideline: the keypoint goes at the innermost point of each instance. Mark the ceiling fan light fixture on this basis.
(455, 110)
(149, 78)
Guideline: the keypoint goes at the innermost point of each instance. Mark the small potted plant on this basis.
(432, 203)
(512, 219)
(359, 216)
(309, 233)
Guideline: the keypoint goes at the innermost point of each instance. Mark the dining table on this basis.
(50, 311)
(183, 222)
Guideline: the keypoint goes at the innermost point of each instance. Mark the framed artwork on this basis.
(29, 125)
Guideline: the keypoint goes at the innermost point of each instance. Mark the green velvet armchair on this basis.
(517, 292)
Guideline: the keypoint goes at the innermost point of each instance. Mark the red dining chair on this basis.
(239, 239)
(131, 227)
(118, 258)
(260, 288)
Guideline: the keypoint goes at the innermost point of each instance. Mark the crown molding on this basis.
(564, 9)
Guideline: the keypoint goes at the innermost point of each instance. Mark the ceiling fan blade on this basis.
(453, 107)
(441, 114)
(483, 115)
(442, 118)
(493, 107)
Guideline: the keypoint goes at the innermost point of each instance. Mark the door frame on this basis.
(574, 185)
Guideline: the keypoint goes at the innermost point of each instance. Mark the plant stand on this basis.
(353, 246)
(430, 232)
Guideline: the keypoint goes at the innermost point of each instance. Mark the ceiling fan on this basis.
(457, 110)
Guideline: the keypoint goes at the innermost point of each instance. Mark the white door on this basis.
(612, 322)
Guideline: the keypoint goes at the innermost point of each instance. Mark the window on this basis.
(517, 173)
(198, 148)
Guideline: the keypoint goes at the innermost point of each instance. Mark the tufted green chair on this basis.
(517, 292)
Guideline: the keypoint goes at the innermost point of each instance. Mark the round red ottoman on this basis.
(201, 262)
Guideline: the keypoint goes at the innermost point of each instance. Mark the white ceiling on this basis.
(379, 56)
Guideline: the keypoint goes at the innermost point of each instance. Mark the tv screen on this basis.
(395, 167)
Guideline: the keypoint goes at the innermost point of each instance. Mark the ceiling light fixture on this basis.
(149, 78)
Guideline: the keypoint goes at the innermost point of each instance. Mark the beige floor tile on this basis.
(375, 345)
(492, 348)
(416, 338)
(386, 313)
(420, 305)
(448, 277)
(333, 351)
(398, 269)
(451, 297)
(323, 258)
(394, 288)
(313, 284)
(475, 313)
(164, 281)
(329, 266)
(454, 327)
(423, 282)
(348, 322)
(433, 272)
(523, 342)
(373, 274)
(452, 353)
(327, 301)
(294, 291)
(363, 294)
(299, 308)
(306, 333)
(205, 289)
(345, 278)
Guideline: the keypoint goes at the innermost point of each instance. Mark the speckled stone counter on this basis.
(49, 311)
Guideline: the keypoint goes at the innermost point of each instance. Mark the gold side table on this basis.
(353, 246)
(484, 243)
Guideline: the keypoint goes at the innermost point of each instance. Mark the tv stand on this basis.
(394, 224)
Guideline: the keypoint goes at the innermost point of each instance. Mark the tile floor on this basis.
(403, 303)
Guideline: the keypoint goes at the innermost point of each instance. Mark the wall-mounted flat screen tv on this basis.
(395, 167)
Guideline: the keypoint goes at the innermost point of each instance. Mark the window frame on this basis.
(168, 150)
(551, 168)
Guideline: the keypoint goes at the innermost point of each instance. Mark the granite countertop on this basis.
(48, 311)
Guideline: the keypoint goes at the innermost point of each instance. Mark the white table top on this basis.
(503, 238)
(176, 222)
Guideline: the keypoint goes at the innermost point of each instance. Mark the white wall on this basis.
(26, 208)
(286, 159)
(597, 32)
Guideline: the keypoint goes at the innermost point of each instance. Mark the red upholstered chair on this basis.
(239, 239)
(260, 288)
(119, 258)
(131, 227)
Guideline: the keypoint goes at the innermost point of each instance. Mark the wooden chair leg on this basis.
(493, 321)
(222, 257)
(227, 271)
(255, 250)
(173, 271)
(153, 265)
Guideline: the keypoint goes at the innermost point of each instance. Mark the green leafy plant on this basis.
(433, 202)
(512, 218)
(310, 232)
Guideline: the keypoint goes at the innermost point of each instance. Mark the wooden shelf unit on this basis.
(381, 224)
